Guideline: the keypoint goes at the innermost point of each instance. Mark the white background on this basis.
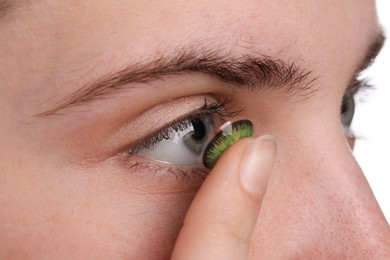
(372, 120)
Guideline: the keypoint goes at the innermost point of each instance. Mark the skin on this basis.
(65, 193)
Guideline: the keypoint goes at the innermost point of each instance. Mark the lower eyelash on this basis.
(187, 174)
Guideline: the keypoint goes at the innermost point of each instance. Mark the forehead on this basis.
(328, 36)
(276, 25)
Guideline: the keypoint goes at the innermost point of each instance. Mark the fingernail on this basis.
(256, 165)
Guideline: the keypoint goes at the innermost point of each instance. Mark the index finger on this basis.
(221, 219)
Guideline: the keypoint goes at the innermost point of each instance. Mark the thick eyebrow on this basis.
(373, 50)
(251, 72)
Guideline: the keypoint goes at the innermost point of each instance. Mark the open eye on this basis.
(183, 143)
(347, 110)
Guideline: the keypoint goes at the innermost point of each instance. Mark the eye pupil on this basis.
(199, 132)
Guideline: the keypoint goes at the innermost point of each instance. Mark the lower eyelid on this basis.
(185, 174)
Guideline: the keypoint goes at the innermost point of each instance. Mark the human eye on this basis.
(182, 143)
(348, 105)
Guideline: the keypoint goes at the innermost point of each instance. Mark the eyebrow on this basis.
(372, 52)
(251, 72)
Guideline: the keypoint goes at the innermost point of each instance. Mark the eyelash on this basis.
(360, 83)
(223, 109)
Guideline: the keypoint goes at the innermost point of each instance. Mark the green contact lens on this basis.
(229, 134)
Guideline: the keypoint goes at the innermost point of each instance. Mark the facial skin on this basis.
(68, 190)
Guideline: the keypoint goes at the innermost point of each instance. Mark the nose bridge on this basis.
(318, 200)
(316, 175)
(318, 159)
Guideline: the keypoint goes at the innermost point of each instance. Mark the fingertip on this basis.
(233, 155)
(222, 217)
(256, 165)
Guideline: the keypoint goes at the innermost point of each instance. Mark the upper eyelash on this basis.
(359, 83)
(161, 135)
(223, 109)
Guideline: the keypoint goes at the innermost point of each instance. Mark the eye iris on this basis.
(225, 138)
(201, 131)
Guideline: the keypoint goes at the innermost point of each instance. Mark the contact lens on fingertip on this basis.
(229, 134)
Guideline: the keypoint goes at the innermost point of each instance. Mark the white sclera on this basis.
(172, 151)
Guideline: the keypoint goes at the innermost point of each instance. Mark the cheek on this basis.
(88, 214)
(148, 228)
(135, 228)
